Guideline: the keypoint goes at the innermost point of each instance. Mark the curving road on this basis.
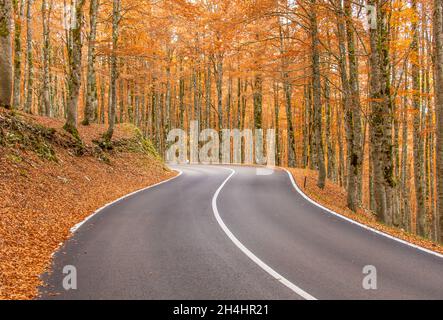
(226, 233)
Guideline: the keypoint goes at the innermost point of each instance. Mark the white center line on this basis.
(248, 253)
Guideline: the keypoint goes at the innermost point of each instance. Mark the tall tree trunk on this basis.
(91, 84)
(219, 74)
(181, 97)
(114, 71)
(208, 96)
(287, 88)
(75, 61)
(196, 115)
(5, 54)
(258, 113)
(332, 172)
(438, 63)
(355, 153)
(102, 100)
(46, 18)
(310, 128)
(406, 212)
(168, 97)
(381, 117)
(305, 130)
(316, 82)
(229, 104)
(419, 164)
(121, 100)
(239, 104)
(341, 157)
(19, 8)
(277, 122)
(29, 59)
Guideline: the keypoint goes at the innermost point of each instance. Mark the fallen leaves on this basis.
(41, 200)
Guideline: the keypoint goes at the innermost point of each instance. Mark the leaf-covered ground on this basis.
(46, 188)
(334, 198)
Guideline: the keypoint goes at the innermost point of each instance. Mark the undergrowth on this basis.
(18, 133)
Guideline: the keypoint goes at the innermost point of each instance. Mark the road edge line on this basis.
(381, 233)
(247, 252)
(75, 228)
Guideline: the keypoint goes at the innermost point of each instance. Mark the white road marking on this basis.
(357, 223)
(248, 253)
(78, 225)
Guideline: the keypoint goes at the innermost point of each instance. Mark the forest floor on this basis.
(334, 198)
(49, 182)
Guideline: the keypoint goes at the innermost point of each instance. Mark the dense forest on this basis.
(354, 89)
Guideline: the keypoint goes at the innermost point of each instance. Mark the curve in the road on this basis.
(248, 253)
(304, 195)
(181, 240)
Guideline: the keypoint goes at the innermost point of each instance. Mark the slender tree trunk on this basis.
(196, 115)
(102, 100)
(419, 164)
(310, 128)
(306, 135)
(208, 96)
(341, 157)
(355, 153)
(258, 102)
(75, 61)
(114, 71)
(5, 53)
(438, 63)
(182, 97)
(91, 84)
(277, 122)
(229, 104)
(168, 98)
(381, 117)
(19, 8)
(317, 98)
(406, 212)
(239, 104)
(287, 88)
(29, 58)
(46, 18)
(121, 100)
(332, 172)
(219, 74)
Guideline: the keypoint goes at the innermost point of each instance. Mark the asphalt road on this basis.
(227, 233)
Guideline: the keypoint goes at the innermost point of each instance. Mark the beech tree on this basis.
(19, 13)
(360, 103)
(74, 49)
(5, 54)
(438, 63)
(381, 117)
(29, 83)
(91, 106)
(114, 72)
(318, 132)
